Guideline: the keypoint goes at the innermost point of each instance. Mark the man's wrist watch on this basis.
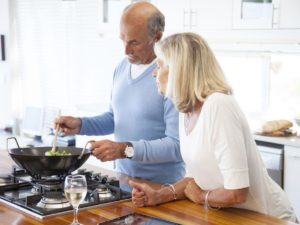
(129, 151)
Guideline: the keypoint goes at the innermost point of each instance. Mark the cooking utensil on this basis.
(55, 139)
(55, 136)
(53, 150)
(38, 165)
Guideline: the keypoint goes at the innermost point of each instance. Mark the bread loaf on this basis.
(276, 125)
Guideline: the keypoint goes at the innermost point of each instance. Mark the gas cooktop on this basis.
(45, 197)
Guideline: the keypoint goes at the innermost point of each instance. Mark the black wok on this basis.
(38, 165)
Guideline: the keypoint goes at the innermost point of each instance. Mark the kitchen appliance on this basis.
(272, 156)
(45, 197)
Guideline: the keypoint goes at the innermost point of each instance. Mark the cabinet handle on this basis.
(294, 156)
(2, 48)
(193, 18)
(185, 18)
(275, 19)
(105, 11)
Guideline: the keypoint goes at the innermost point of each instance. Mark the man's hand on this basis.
(193, 192)
(68, 125)
(107, 150)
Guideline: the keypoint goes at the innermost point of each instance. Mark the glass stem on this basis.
(75, 220)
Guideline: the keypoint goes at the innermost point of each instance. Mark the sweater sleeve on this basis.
(165, 149)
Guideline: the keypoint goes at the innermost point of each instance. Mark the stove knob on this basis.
(113, 181)
(97, 176)
(88, 175)
(81, 171)
(104, 179)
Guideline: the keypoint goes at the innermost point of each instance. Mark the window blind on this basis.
(63, 60)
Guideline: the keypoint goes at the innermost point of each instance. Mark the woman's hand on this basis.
(143, 194)
(193, 192)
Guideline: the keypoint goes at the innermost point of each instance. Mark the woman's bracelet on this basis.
(206, 203)
(172, 189)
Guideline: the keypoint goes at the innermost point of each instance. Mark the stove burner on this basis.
(53, 200)
(5, 179)
(44, 197)
(47, 184)
(103, 192)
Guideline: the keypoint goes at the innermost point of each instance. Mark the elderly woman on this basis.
(224, 168)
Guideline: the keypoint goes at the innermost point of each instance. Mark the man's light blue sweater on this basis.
(140, 115)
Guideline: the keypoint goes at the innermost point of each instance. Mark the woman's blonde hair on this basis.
(194, 72)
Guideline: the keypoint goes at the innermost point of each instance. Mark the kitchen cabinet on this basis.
(266, 14)
(235, 21)
(221, 21)
(230, 14)
(288, 14)
(291, 176)
(249, 14)
(177, 14)
(196, 15)
(212, 15)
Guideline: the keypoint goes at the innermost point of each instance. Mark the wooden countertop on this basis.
(184, 212)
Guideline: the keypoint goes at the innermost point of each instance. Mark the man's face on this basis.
(139, 47)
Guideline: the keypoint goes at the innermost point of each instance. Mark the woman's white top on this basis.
(220, 152)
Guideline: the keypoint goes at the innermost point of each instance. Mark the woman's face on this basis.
(161, 74)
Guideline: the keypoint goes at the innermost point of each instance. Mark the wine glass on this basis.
(75, 191)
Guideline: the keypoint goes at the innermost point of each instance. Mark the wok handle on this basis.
(10, 139)
(85, 147)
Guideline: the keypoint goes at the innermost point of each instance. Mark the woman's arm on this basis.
(144, 195)
(215, 198)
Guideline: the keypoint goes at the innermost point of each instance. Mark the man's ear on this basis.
(158, 36)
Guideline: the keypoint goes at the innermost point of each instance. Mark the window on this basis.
(63, 61)
(267, 86)
(284, 86)
(248, 76)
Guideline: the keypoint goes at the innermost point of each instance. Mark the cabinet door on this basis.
(211, 15)
(289, 14)
(252, 14)
(291, 176)
(177, 14)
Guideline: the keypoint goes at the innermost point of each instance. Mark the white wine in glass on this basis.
(75, 190)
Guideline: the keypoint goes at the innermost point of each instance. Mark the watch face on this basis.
(129, 151)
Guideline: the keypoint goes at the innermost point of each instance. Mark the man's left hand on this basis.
(106, 150)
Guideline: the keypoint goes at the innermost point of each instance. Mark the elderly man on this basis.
(145, 124)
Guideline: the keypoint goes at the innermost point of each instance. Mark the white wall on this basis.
(5, 76)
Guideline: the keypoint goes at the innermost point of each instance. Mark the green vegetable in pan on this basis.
(58, 153)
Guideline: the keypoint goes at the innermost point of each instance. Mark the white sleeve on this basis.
(228, 142)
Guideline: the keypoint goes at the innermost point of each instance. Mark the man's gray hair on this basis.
(156, 23)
